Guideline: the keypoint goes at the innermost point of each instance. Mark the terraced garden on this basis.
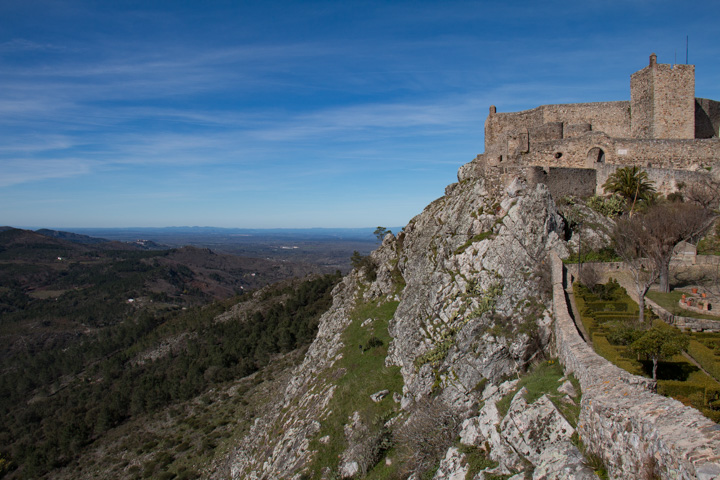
(609, 316)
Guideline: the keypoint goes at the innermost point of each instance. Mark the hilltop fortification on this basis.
(572, 148)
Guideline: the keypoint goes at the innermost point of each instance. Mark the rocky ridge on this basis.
(462, 298)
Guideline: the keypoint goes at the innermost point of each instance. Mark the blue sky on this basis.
(294, 114)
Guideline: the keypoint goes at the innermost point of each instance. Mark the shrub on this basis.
(427, 434)
(476, 238)
(611, 206)
(606, 306)
(373, 342)
(366, 263)
(705, 357)
(605, 349)
(477, 460)
(623, 335)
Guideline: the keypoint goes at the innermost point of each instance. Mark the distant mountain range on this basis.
(296, 233)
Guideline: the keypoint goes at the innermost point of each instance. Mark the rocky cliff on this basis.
(424, 344)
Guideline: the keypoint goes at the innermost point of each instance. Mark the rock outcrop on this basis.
(470, 281)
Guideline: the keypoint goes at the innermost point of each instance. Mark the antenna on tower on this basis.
(687, 40)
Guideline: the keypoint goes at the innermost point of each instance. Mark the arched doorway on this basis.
(595, 155)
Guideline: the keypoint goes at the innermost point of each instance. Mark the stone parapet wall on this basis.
(666, 153)
(631, 428)
(613, 118)
(707, 260)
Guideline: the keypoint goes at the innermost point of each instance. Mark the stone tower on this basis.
(662, 101)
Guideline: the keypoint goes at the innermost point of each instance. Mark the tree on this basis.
(632, 184)
(668, 224)
(646, 242)
(704, 192)
(427, 434)
(659, 343)
(631, 240)
(380, 233)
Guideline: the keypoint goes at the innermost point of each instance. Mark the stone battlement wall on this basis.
(622, 421)
(613, 118)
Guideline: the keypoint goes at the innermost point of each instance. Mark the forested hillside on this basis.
(94, 337)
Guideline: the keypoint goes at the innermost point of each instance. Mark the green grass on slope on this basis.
(360, 373)
(544, 379)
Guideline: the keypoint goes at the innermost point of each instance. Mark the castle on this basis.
(572, 148)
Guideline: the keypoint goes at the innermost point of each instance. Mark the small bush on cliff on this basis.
(366, 263)
(425, 437)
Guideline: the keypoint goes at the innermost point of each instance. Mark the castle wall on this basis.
(576, 152)
(663, 128)
(561, 181)
(576, 181)
(674, 154)
(666, 180)
(707, 118)
(498, 126)
(621, 420)
(554, 122)
(612, 118)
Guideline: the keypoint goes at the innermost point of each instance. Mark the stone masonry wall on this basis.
(621, 420)
(576, 152)
(707, 118)
(641, 104)
(674, 111)
(579, 181)
(613, 118)
(662, 99)
(576, 182)
(666, 180)
(499, 125)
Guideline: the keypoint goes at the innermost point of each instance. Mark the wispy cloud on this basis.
(25, 170)
(23, 45)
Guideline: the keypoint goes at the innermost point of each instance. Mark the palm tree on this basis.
(631, 183)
